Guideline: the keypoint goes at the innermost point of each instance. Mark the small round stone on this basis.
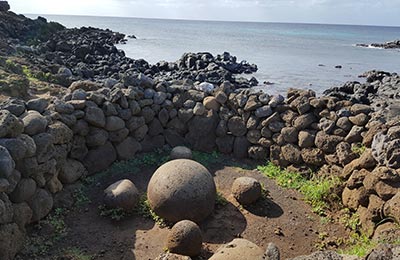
(122, 194)
(246, 190)
(182, 189)
(185, 238)
(180, 152)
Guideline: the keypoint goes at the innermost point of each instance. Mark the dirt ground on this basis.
(282, 218)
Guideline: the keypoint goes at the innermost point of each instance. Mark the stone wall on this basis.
(47, 145)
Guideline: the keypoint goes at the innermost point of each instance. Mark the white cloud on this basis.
(320, 11)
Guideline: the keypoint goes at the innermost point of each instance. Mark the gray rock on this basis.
(61, 133)
(38, 104)
(128, 148)
(6, 163)
(11, 241)
(41, 204)
(15, 146)
(180, 152)
(239, 249)
(237, 126)
(95, 116)
(246, 190)
(185, 238)
(263, 111)
(72, 171)
(114, 123)
(22, 215)
(121, 195)
(100, 158)
(24, 190)
(14, 105)
(182, 189)
(10, 125)
(272, 252)
(34, 123)
(6, 209)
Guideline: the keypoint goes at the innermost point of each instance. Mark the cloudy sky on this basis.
(373, 12)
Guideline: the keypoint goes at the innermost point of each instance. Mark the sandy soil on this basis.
(282, 218)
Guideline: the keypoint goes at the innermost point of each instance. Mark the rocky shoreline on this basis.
(111, 107)
(387, 45)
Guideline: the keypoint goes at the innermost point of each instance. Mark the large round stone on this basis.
(185, 238)
(246, 190)
(182, 189)
(239, 249)
(122, 194)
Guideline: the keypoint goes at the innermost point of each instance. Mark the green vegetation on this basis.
(12, 67)
(77, 254)
(206, 159)
(145, 211)
(317, 190)
(220, 200)
(81, 197)
(56, 221)
(358, 149)
(114, 214)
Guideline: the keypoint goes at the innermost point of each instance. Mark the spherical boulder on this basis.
(239, 249)
(185, 239)
(180, 152)
(122, 194)
(182, 189)
(246, 190)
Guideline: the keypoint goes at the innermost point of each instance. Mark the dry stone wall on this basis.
(46, 145)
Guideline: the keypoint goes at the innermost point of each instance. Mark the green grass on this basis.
(132, 166)
(145, 211)
(81, 197)
(206, 159)
(220, 200)
(115, 214)
(317, 190)
(358, 149)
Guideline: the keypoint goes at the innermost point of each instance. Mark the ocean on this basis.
(288, 55)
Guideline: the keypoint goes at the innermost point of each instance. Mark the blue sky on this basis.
(373, 12)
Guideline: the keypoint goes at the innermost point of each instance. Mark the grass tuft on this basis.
(317, 190)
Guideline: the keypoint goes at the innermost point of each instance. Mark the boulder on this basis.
(322, 255)
(41, 205)
(185, 238)
(237, 126)
(180, 152)
(6, 209)
(71, 171)
(201, 135)
(246, 190)
(24, 190)
(121, 195)
(392, 207)
(239, 249)
(34, 122)
(128, 148)
(114, 123)
(22, 215)
(38, 104)
(6, 163)
(61, 133)
(211, 103)
(11, 241)
(182, 189)
(100, 158)
(95, 116)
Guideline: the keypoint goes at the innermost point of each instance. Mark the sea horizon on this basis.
(211, 20)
